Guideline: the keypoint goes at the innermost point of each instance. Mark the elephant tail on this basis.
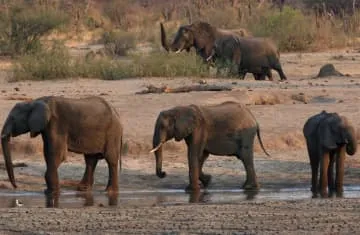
(260, 141)
(121, 153)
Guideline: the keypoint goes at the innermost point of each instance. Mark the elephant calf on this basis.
(328, 136)
(87, 125)
(227, 129)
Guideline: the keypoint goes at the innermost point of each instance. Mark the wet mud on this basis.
(74, 199)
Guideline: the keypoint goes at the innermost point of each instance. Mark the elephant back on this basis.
(230, 114)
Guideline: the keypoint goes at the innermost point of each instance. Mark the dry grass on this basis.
(301, 97)
(264, 98)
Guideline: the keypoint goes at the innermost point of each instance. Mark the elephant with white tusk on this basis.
(227, 129)
(88, 125)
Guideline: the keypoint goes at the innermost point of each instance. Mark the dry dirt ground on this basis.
(280, 108)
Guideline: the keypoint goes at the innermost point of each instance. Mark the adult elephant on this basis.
(87, 125)
(328, 136)
(227, 129)
(248, 55)
(201, 36)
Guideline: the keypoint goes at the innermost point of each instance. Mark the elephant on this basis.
(228, 128)
(88, 125)
(328, 136)
(251, 54)
(201, 36)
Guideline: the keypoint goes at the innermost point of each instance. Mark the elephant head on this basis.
(200, 35)
(337, 130)
(24, 117)
(178, 123)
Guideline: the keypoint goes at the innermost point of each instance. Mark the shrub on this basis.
(45, 64)
(154, 65)
(21, 29)
(290, 28)
(118, 42)
(56, 63)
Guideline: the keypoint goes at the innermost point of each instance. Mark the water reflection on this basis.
(330, 194)
(72, 199)
(206, 196)
(52, 201)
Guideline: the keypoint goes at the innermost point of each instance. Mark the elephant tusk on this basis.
(156, 148)
(209, 58)
(178, 51)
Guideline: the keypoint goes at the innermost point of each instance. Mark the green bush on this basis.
(53, 63)
(21, 29)
(290, 29)
(56, 63)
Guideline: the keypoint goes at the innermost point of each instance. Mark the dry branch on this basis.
(165, 89)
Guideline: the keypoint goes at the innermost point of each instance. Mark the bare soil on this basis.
(281, 108)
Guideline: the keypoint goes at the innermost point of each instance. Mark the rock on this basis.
(328, 70)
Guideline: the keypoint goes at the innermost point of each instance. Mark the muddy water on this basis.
(71, 199)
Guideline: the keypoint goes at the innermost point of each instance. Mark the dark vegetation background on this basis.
(123, 36)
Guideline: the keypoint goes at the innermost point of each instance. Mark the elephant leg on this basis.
(324, 164)
(241, 73)
(112, 185)
(247, 156)
(195, 148)
(339, 180)
(53, 152)
(330, 173)
(234, 66)
(269, 74)
(87, 181)
(278, 69)
(314, 163)
(113, 163)
(204, 178)
(259, 76)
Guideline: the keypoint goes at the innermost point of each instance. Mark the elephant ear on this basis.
(332, 132)
(185, 123)
(38, 118)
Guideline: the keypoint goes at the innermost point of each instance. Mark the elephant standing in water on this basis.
(87, 125)
(227, 129)
(328, 136)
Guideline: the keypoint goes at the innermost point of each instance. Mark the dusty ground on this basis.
(280, 108)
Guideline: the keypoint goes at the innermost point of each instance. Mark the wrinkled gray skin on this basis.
(88, 125)
(225, 129)
(328, 136)
(199, 35)
(248, 55)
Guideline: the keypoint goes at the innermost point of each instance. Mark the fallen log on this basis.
(165, 89)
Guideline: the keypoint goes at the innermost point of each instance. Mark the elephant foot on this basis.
(52, 192)
(84, 187)
(191, 189)
(112, 190)
(205, 180)
(251, 186)
(52, 198)
(314, 190)
(324, 194)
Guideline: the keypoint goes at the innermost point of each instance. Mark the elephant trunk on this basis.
(174, 46)
(5, 139)
(164, 42)
(351, 146)
(158, 141)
